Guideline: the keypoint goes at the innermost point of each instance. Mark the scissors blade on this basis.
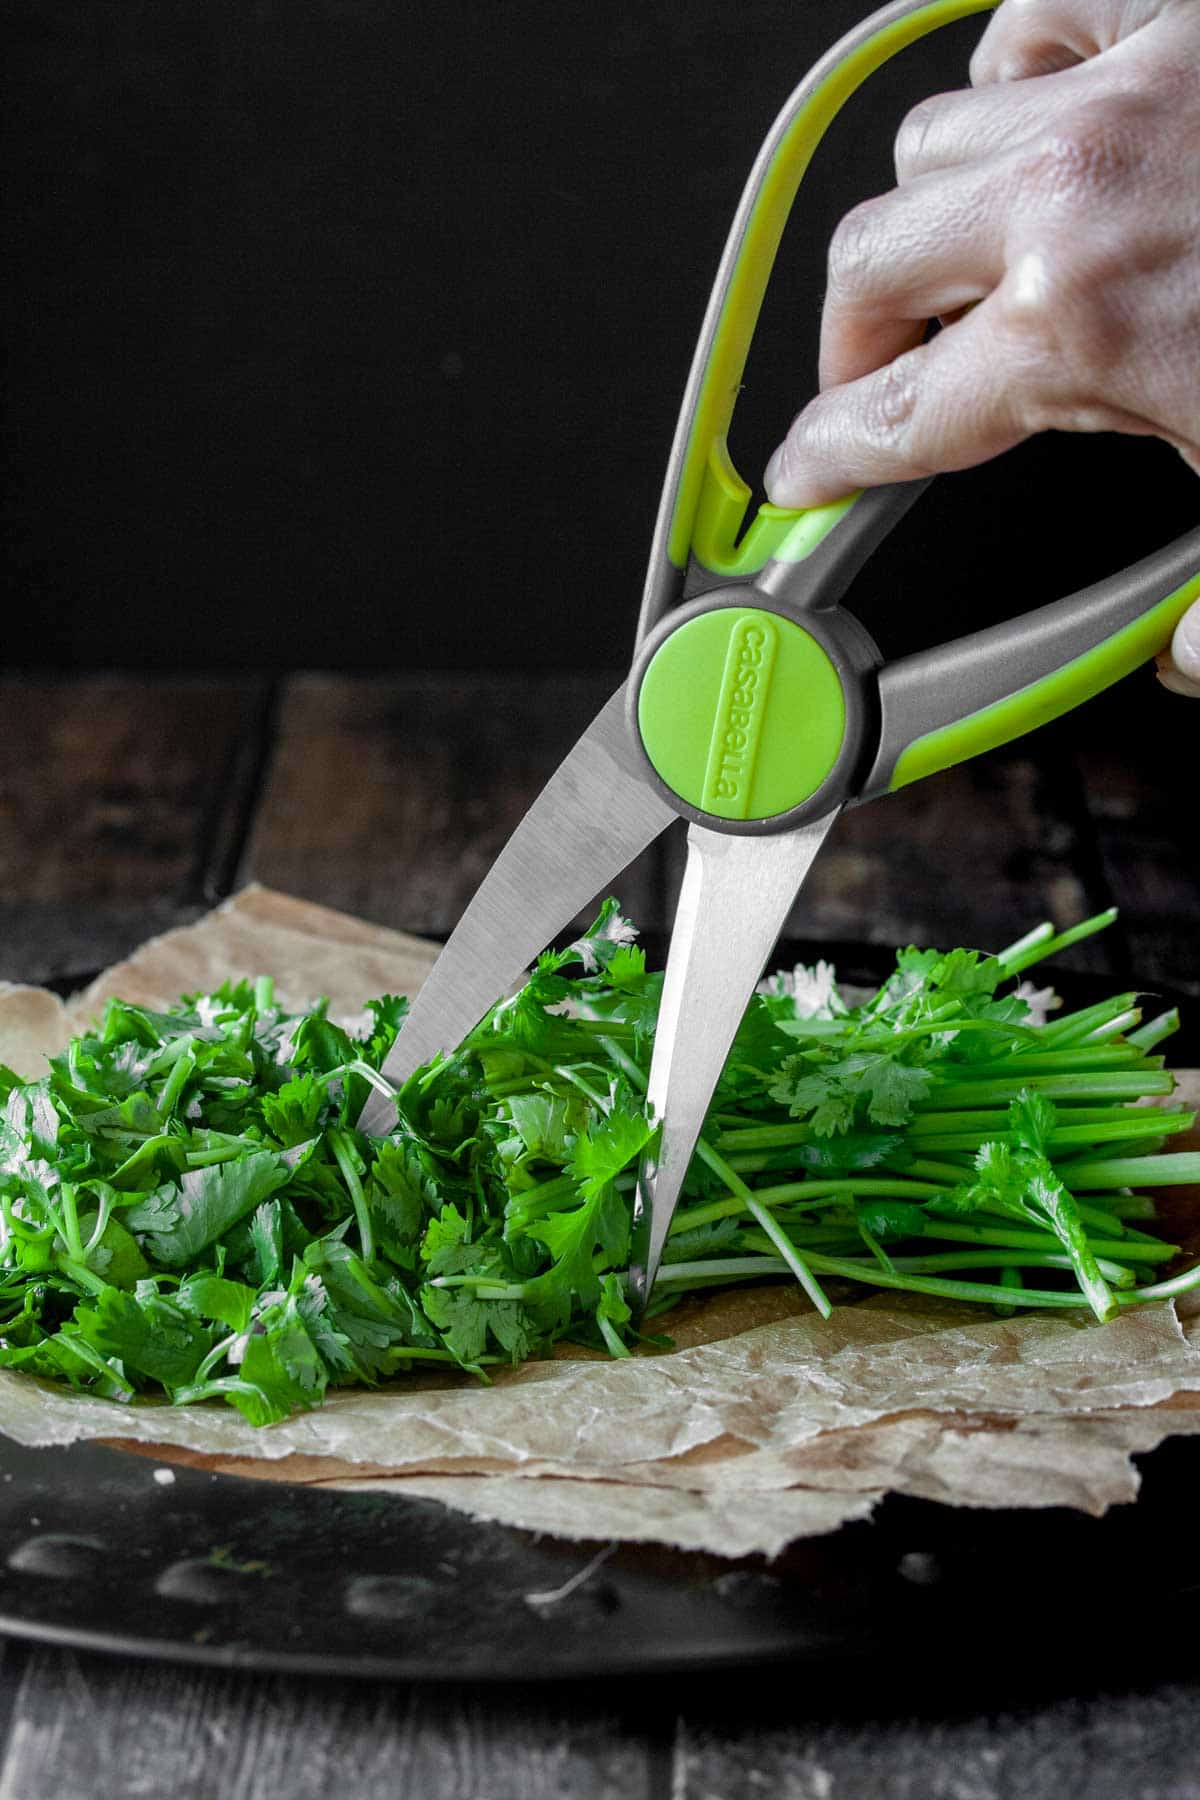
(736, 894)
(593, 816)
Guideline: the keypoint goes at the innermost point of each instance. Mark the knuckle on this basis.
(1002, 52)
(890, 406)
(855, 251)
(1086, 158)
(1028, 323)
(1030, 305)
(1064, 336)
(916, 137)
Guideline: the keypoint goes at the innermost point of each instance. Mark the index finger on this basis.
(947, 404)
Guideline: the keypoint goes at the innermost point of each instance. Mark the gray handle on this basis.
(822, 577)
(939, 707)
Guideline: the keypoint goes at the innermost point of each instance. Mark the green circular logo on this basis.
(742, 713)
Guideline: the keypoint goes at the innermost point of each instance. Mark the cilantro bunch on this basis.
(188, 1210)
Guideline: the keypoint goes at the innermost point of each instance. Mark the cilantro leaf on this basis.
(177, 1221)
(295, 1111)
(146, 1332)
(610, 1146)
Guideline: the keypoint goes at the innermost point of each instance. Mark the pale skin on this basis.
(1049, 216)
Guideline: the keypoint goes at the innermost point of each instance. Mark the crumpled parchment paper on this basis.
(766, 1424)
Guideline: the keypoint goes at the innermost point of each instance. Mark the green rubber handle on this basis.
(941, 706)
(704, 498)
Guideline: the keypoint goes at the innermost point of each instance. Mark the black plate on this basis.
(102, 1553)
(108, 1550)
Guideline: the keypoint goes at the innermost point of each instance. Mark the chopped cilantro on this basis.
(188, 1210)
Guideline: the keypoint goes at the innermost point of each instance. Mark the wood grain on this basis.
(122, 801)
(391, 796)
(1066, 1747)
(90, 1728)
(87, 1728)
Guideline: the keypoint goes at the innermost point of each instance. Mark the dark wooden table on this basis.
(129, 805)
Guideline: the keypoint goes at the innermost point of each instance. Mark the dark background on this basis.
(347, 333)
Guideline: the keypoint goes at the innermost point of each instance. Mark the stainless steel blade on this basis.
(593, 816)
(735, 896)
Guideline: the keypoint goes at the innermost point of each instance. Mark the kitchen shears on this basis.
(757, 707)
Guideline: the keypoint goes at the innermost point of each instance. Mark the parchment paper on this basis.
(766, 1424)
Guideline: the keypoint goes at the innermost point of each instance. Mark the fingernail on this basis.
(1185, 649)
(784, 483)
(1179, 684)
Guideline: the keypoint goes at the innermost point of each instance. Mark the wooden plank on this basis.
(972, 856)
(390, 796)
(1142, 793)
(1112, 1746)
(122, 805)
(91, 1728)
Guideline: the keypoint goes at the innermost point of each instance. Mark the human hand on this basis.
(1049, 215)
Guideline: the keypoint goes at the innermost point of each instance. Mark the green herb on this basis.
(188, 1210)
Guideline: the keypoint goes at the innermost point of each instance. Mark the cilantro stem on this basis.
(358, 1067)
(486, 1286)
(220, 1153)
(928, 1168)
(70, 1218)
(217, 1390)
(216, 1355)
(1064, 1137)
(980, 1259)
(1035, 948)
(860, 1269)
(791, 1256)
(1164, 1290)
(535, 1202)
(1073, 1026)
(774, 1231)
(345, 1162)
(1112, 1028)
(103, 1365)
(1040, 1061)
(103, 1215)
(576, 1080)
(1122, 1206)
(1172, 1170)
(948, 1020)
(632, 1070)
(173, 1086)
(1117, 1273)
(1146, 1036)
(1010, 1277)
(1032, 940)
(616, 1347)
(719, 1271)
(1122, 1249)
(814, 1193)
(81, 1274)
(1117, 1084)
(764, 1137)
(946, 1290)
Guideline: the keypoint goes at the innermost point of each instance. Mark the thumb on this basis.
(948, 404)
(1179, 668)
